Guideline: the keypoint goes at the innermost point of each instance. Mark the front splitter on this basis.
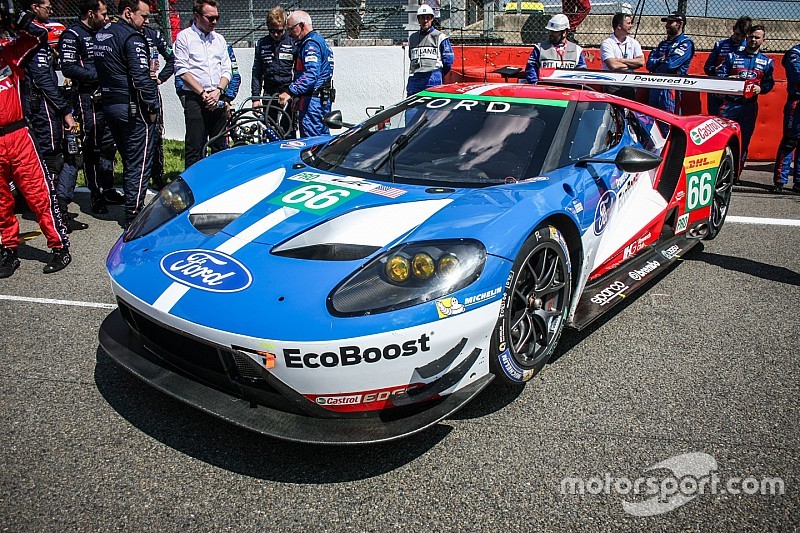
(125, 348)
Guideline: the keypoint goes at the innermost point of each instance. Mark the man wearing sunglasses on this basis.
(272, 64)
(312, 88)
(130, 97)
(204, 67)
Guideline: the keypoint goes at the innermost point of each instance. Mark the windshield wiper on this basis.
(398, 144)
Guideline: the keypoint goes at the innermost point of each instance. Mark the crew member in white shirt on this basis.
(621, 53)
(203, 66)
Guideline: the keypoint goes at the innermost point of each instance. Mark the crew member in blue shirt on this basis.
(790, 143)
(718, 54)
(130, 97)
(748, 64)
(273, 66)
(313, 85)
(672, 56)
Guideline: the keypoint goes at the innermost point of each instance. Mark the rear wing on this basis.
(732, 86)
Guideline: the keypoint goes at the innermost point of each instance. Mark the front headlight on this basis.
(408, 275)
(172, 200)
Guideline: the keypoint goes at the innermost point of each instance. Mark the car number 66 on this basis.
(700, 190)
(315, 196)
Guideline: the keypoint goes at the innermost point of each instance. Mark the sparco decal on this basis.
(603, 213)
(207, 270)
(609, 293)
(706, 130)
(353, 355)
(640, 273)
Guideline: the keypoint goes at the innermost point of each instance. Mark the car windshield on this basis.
(455, 139)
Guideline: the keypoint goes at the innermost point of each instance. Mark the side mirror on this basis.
(334, 120)
(629, 159)
(633, 160)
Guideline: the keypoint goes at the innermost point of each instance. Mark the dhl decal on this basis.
(700, 162)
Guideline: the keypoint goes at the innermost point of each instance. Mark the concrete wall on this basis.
(363, 77)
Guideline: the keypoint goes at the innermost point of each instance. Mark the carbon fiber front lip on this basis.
(127, 351)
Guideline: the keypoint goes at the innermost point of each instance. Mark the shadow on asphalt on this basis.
(226, 446)
(745, 266)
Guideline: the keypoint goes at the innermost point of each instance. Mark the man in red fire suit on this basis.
(20, 162)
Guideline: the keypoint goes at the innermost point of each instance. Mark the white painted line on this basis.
(764, 221)
(57, 302)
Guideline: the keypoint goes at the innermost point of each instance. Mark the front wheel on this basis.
(723, 187)
(534, 307)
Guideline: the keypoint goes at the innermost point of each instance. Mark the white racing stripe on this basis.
(57, 302)
(763, 221)
(176, 290)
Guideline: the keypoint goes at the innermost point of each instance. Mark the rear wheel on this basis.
(723, 187)
(534, 307)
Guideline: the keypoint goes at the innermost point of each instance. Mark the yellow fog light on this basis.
(423, 266)
(448, 264)
(397, 268)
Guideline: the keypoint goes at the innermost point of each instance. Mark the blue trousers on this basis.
(788, 149)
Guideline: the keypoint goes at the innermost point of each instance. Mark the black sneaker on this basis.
(58, 260)
(75, 224)
(113, 197)
(98, 205)
(8, 262)
(796, 187)
(777, 188)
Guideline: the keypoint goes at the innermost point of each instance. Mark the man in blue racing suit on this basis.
(77, 64)
(790, 143)
(430, 53)
(720, 52)
(672, 56)
(313, 83)
(130, 97)
(749, 64)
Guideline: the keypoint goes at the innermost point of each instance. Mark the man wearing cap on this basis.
(672, 56)
(748, 64)
(556, 52)
(621, 53)
(430, 52)
(720, 52)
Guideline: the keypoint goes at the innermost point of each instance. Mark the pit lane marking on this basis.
(763, 221)
(76, 303)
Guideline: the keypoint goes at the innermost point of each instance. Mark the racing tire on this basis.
(533, 309)
(723, 187)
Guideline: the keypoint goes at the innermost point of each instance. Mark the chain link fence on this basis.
(484, 22)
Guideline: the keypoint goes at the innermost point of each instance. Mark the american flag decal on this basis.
(389, 192)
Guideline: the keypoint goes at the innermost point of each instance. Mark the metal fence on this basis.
(487, 22)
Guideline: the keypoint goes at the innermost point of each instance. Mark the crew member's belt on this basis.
(11, 128)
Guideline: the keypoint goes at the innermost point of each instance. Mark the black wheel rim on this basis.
(722, 193)
(537, 304)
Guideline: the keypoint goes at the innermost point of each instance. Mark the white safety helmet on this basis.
(425, 9)
(559, 22)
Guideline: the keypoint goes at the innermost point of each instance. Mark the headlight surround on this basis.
(407, 275)
(172, 200)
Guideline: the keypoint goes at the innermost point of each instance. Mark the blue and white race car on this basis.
(362, 287)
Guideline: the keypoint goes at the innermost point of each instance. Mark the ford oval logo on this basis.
(603, 213)
(207, 270)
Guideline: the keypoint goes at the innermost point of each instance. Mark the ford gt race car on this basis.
(362, 287)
